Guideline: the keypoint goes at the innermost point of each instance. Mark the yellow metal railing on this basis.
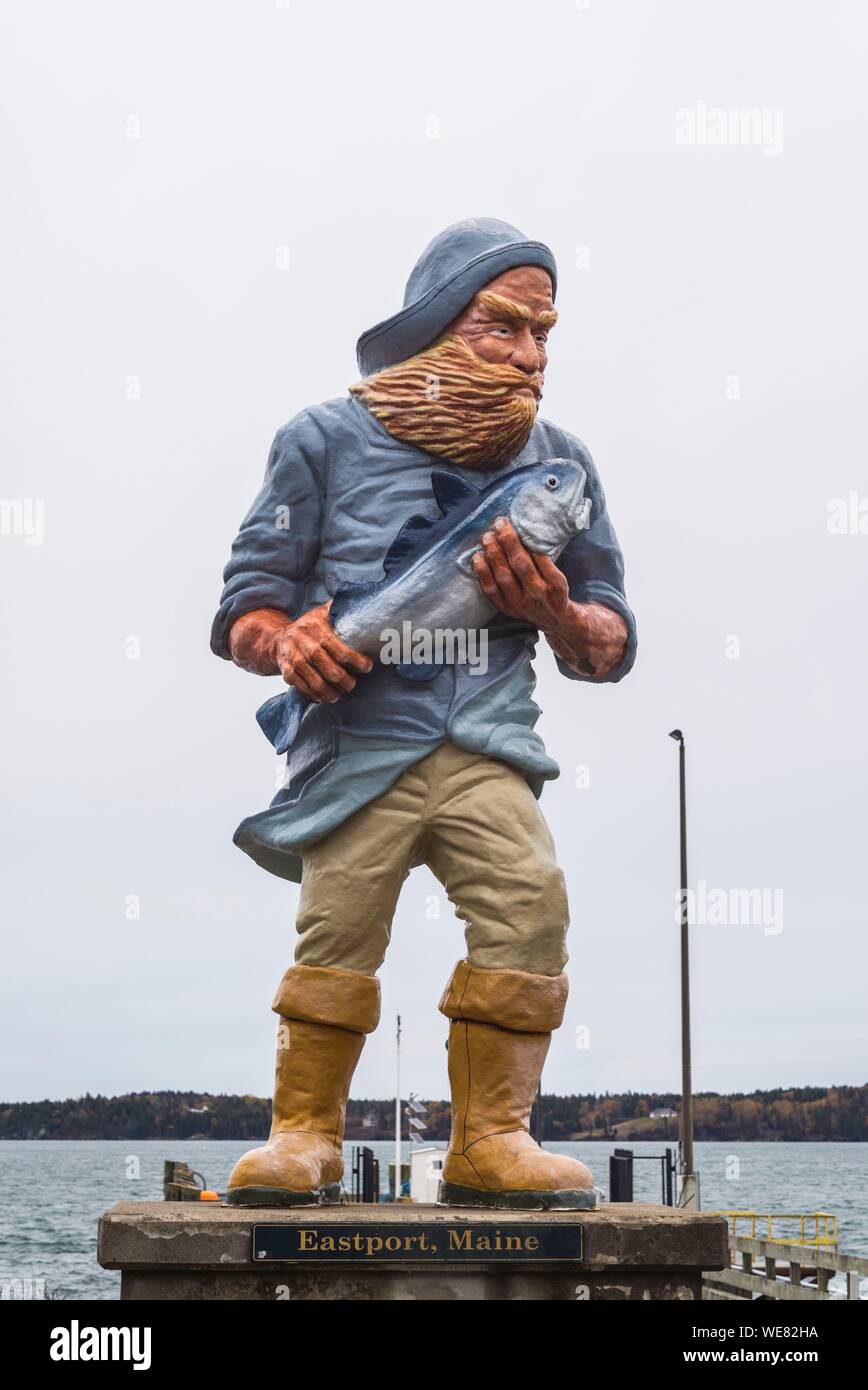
(818, 1229)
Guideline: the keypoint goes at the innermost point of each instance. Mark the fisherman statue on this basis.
(432, 494)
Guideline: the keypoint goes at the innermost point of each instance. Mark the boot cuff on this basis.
(506, 998)
(321, 994)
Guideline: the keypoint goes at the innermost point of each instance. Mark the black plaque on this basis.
(399, 1242)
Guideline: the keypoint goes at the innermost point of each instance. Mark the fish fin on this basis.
(418, 672)
(450, 491)
(280, 717)
(408, 539)
(350, 589)
(464, 561)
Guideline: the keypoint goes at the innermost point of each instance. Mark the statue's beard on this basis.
(451, 403)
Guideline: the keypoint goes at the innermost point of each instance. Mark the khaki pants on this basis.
(476, 824)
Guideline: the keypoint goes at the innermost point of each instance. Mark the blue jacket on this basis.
(337, 489)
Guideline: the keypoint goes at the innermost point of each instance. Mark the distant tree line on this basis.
(795, 1113)
(798, 1113)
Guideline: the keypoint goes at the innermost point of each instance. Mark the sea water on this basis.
(52, 1193)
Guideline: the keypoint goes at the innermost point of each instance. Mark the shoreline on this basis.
(429, 1139)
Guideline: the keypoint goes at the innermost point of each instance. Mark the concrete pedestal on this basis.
(211, 1251)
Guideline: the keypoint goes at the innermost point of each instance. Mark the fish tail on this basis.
(280, 717)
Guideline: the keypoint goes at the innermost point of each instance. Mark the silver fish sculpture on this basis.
(430, 580)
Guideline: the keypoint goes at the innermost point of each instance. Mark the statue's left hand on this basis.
(589, 637)
(517, 581)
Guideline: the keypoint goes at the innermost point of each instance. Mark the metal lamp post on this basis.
(398, 1110)
(688, 1195)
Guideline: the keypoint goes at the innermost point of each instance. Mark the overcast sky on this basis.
(162, 162)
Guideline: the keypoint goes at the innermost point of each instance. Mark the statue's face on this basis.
(509, 322)
(488, 364)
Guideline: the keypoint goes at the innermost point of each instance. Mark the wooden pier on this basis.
(773, 1269)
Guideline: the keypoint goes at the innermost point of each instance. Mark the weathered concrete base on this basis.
(628, 1251)
(407, 1285)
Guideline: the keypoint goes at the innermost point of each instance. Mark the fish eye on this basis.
(551, 482)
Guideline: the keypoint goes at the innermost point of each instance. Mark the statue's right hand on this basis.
(307, 652)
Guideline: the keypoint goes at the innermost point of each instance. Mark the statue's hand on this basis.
(589, 637)
(517, 581)
(307, 652)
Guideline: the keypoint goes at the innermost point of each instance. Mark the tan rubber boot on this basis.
(502, 1021)
(324, 1016)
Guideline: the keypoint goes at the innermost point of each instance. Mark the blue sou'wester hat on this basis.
(454, 267)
